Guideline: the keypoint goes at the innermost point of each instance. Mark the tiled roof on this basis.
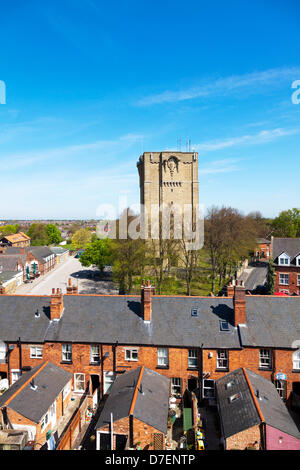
(141, 392)
(258, 402)
(290, 246)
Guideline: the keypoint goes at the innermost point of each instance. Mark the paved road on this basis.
(88, 280)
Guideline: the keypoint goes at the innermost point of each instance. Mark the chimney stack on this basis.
(230, 289)
(57, 304)
(71, 289)
(239, 303)
(146, 294)
(2, 290)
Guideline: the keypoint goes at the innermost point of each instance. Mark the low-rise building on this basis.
(61, 254)
(36, 402)
(252, 414)
(135, 414)
(286, 256)
(17, 240)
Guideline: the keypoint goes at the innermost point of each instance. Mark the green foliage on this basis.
(53, 233)
(97, 252)
(38, 234)
(81, 238)
(271, 277)
(9, 229)
(287, 224)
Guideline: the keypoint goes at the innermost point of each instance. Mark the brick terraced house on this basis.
(137, 406)
(36, 402)
(252, 414)
(193, 341)
(286, 256)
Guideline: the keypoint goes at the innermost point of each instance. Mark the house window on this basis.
(15, 375)
(66, 390)
(95, 354)
(208, 388)
(284, 260)
(284, 279)
(296, 360)
(109, 379)
(193, 358)
(131, 354)
(3, 349)
(44, 421)
(36, 352)
(298, 280)
(176, 388)
(163, 357)
(234, 397)
(222, 359)
(67, 352)
(79, 382)
(224, 325)
(281, 388)
(265, 359)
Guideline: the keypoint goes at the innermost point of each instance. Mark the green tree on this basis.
(81, 238)
(38, 234)
(271, 277)
(97, 252)
(54, 235)
(287, 224)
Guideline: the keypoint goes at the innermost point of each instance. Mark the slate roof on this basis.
(34, 404)
(271, 321)
(40, 252)
(108, 319)
(290, 246)
(242, 413)
(9, 262)
(152, 400)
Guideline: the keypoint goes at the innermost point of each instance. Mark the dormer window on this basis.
(298, 260)
(284, 260)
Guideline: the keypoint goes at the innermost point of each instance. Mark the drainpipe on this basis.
(20, 354)
(200, 374)
(102, 374)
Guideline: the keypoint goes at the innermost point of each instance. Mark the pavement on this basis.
(88, 280)
(254, 276)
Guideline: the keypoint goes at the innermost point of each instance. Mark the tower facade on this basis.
(169, 178)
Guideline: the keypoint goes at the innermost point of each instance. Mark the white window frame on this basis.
(296, 359)
(109, 378)
(13, 373)
(82, 381)
(298, 260)
(222, 359)
(163, 357)
(176, 386)
(192, 358)
(129, 352)
(283, 260)
(286, 279)
(66, 391)
(208, 392)
(45, 421)
(65, 352)
(3, 351)
(34, 352)
(94, 354)
(265, 359)
(298, 280)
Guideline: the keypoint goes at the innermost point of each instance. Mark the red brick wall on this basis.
(244, 439)
(293, 272)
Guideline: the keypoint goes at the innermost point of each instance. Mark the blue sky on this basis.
(90, 85)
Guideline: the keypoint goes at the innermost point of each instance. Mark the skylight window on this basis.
(230, 384)
(224, 325)
(194, 312)
(234, 397)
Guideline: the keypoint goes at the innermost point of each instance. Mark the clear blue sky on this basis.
(92, 84)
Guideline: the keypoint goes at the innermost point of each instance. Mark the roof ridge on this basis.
(253, 395)
(131, 410)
